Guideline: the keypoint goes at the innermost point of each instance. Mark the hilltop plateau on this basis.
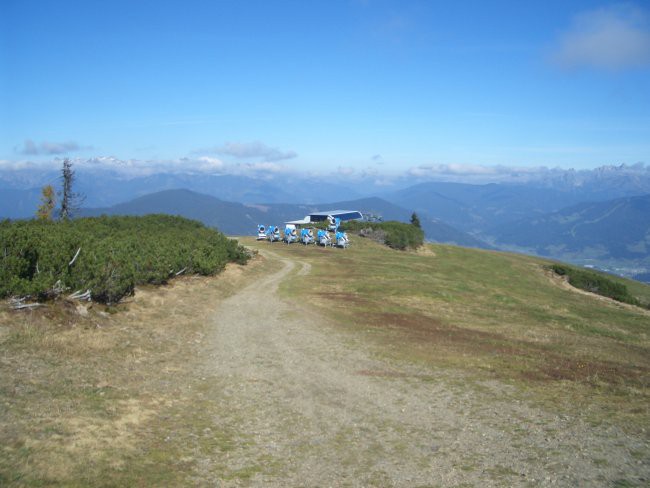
(364, 366)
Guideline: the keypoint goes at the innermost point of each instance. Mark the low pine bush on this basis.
(595, 283)
(397, 235)
(115, 254)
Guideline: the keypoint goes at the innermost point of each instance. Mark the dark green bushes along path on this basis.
(117, 253)
(597, 283)
(397, 235)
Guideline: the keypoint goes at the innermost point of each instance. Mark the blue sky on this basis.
(327, 85)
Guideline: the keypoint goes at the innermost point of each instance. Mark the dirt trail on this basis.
(299, 404)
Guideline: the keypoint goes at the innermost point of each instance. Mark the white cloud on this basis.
(133, 167)
(31, 148)
(209, 164)
(130, 168)
(345, 171)
(251, 150)
(475, 172)
(8, 165)
(611, 38)
(452, 169)
(383, 182)
(363, 178)
(265, 167)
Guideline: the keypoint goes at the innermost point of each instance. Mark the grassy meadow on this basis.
(92, 395)
(491, 315)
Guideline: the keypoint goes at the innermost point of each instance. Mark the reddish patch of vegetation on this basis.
(342, 298)
(380, 374)
(538, 362)
(555, 367)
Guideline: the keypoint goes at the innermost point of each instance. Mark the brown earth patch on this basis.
(380, 374)
(555, 367)
(343, 297)
(433, 330)
(531, 361)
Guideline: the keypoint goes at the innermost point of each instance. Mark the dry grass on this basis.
(100, 397)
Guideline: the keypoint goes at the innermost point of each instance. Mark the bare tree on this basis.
(70, 201)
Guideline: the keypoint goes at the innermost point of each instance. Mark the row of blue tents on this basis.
(305, 236)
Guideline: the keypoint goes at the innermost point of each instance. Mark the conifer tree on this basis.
(415, 220)
(48, 200)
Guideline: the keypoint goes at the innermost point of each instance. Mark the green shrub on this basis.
(397, 235)
(117, 254)
(595, 283)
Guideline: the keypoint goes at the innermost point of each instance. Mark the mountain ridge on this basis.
(239, 219)
(612, 231)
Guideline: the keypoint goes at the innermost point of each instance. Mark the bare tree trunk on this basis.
(70, 201)
(67, 177)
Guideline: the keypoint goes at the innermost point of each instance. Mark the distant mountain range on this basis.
(602, 183)
(19, 204)
(614, 229)
(104, 187)
(240, 219)
(475, 208)
(541, 212)
(109, 181)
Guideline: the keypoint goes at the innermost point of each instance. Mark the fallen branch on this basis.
(19, 304)
(180, 272)
(78, 295)
(75, 257)
(26, 305)
(58, 288)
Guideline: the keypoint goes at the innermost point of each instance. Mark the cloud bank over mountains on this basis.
(250, 150)
(269, 170)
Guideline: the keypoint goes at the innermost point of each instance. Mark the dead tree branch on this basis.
(75, 257)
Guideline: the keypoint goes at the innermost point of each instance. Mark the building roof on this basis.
(299, 222)
(320, 216)
(334, 213)
(340, 214)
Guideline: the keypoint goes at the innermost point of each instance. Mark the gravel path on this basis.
(306, 405)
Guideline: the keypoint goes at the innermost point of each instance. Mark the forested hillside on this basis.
(618, 229)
